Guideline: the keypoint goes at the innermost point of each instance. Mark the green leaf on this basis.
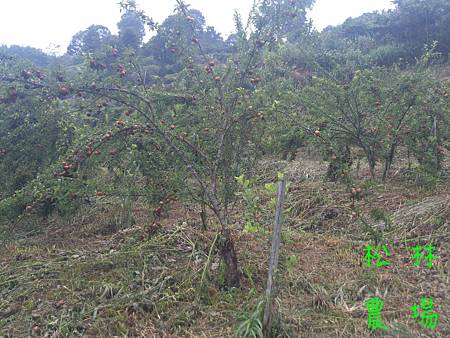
(270, 188)
(280, 175)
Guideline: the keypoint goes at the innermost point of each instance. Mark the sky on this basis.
(47, 24)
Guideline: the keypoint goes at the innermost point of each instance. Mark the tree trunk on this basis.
(227, 251)
(203, 216)
(372, 163)
(370, 160)
(232, 278)
(358, 166)
(388, 163)
(409, 160)
(226, 246)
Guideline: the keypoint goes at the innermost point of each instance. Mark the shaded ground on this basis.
(89, 279)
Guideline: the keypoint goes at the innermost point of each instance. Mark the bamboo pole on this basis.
(274, 255)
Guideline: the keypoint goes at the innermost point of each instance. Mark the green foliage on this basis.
(375, 235)
(90, 40)
(291, 142)
(424, 178)
(251, 323)
(380, 215)
(291, 262)
(377, 110)
(419, 23)
(187, 113)
(394, 35)
(259, 204)
(288, 17)
(131, 30)
(388, 54)
(123, 131)
(24, 122)
(30, 54)
(252, 207)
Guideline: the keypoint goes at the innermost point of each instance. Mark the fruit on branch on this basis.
(26, 74)
(217, 78)
(39, 75)
(157, 212)
(89, 151)
(152, 228)
(259, 43)
(63, 91)
(121, 70)
(131, 131)
(317, 132)
(120, 123)
(114, 52)
(172, 126)
(96, 65)
(356, 192)
(190, 19)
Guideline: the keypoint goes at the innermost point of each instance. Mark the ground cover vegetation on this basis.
(138, 179)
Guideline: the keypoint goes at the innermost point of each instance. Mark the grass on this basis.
(74, 278)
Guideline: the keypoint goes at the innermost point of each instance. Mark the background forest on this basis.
(138, 179)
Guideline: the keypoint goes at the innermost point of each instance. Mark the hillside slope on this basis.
(80, 278)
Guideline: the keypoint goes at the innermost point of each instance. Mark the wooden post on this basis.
(434, 129)
(274, 254)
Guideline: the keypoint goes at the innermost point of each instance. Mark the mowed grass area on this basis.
(88, 277)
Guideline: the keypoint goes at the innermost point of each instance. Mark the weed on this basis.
(251, 323)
